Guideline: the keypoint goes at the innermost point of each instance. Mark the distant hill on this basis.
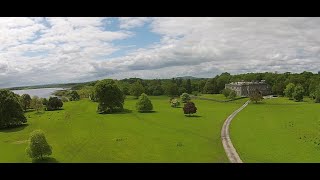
(187, 77)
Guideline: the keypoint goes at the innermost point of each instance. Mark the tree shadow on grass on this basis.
(45, 160)
(193, 116)
(147, 112)
(14, 129)
(125, 111)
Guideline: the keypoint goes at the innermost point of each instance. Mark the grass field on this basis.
(215, 96)
(78, 134)
(278, 130)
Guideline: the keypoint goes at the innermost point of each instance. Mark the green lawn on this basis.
(78, 134)
(215, 96)
(278, 130)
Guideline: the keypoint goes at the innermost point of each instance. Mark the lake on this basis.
(42, 93)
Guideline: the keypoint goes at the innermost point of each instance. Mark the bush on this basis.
(64, 99)
(175, 103)
(38, 146)
(189, 108)
(144, 104)
(232, 95)
(298, 93)
(185, 97)
(54, 103)
(226, 92)
(73, 96)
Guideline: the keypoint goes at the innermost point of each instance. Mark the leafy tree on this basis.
(226, 92)
(144, 104)
(256, 96)
(189, 108)
(136, 89)
(44, 101)
(171, 89)
(317, 94)
(25, 101)
(195, 93)
(157, 91)
(36, 103)
(185, 97)
(38, 146)
(232, 95)
(210, 87)
(221, 80)
(289, 90)
(298, 93)
(109, 96)
(74, 96)
(64, 99)
(181, 90)
(54, 103)
(175, 103)
(11, 112)
(188, 86)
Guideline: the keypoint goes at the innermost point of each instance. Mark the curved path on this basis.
(225, 137)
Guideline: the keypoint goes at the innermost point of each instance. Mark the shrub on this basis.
(175, 103)
(144, 104)
(38, 146)
(189, 108)
(185, 97)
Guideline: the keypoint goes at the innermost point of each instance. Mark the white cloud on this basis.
(51, 50)
(132, 22)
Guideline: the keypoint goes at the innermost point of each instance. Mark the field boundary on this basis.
(229, 149)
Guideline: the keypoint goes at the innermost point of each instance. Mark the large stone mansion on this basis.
(247, 88)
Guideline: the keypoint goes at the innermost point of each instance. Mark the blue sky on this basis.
(45, 50)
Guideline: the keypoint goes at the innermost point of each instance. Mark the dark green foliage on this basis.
(136, 89)
(109, 96)
(73, 96)
(38, 147)
(298, 93)
(25, 101)
(171, 89)
(226, 92)
(317, 94)
(11, 112)
(256, 96)
(195, 93)
(232, 95)
(189, 108)
(185, 97)
(44, 101)
(54, 103)
(181, 90)
(288, 92)
(188, 86)
(144, 104)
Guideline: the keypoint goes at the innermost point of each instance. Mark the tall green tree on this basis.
(25, 101)
(36, 103)
(289, 90)
(38, 147)
(171, 89)
(109, 96)
(188, 86)
(73, 96)
(11, 111)
(298, 93)
(136, 89)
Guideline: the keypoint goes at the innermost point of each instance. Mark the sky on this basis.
(50, 50)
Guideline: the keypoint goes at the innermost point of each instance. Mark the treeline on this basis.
(176, 86)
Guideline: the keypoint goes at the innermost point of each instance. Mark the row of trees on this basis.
(176, 86)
